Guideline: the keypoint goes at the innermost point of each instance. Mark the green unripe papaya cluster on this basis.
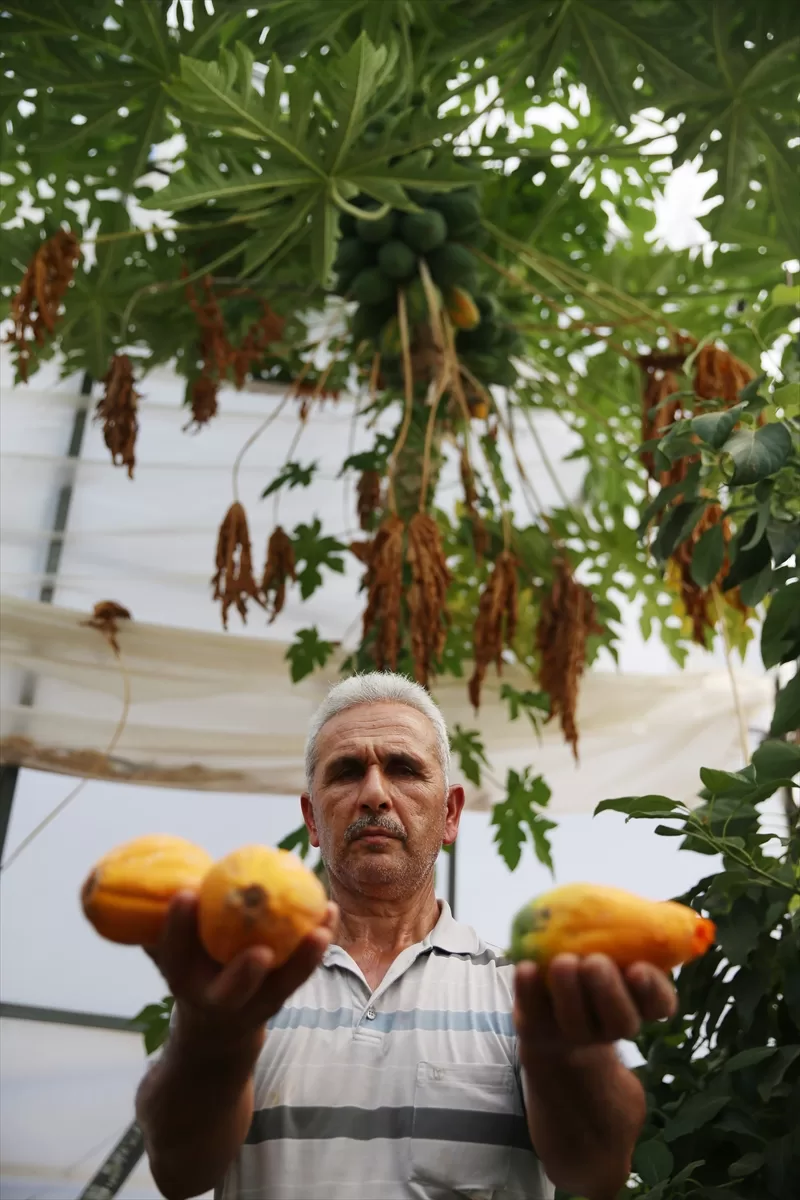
(376, 256)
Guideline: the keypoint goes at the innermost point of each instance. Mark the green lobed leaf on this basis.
(297, 840)
(314, 551)
(307, 652)
(468, 745)
(292, 475)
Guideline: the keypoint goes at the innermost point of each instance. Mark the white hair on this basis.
(376, 687)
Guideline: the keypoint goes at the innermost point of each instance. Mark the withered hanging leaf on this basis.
(496, 621)
(369, 498)
(215, 349)
(233, 582)
(384, 584)
(105, 615)
(35, 307)
(268, 328)
(202, 397)
(117, 410)
(718, 374)
(278, 570)
(660, 407)
(427, 596)
(566, 620)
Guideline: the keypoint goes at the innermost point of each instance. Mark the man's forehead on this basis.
(388, 724)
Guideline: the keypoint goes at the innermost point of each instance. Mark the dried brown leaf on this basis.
(35, 308)
(496, 622)
(278, 570)
(566, 620)
(384, 584)
(427, 596)
(118, 411)
(104, 618)
(233, 582)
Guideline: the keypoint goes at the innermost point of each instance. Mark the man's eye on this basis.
(402, 768)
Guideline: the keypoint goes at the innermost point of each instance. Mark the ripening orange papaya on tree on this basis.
(127, 894)
(462, 309)
(583, 918)
(258, 896)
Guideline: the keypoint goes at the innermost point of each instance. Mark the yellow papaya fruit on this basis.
(583, 918)
(258, 896)
(128, 892)
(462, 309)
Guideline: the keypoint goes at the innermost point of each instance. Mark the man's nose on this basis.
(374, 794)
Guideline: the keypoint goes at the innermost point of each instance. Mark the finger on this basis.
(241, 979)
(572, 1014)
(533, 1011)
(608, 998)
(179, 951)
(653, 992)
(281, 983)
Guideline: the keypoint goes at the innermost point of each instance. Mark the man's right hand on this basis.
(234, 1002)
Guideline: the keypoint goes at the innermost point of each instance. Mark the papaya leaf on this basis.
(307, 652)
(297, 840)
(469, 747)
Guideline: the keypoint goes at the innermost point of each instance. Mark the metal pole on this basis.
(451, 878)
(117, 1167)
(10, 775)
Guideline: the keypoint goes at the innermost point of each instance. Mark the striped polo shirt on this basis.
(408, 1092)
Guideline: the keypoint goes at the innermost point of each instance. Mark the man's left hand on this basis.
(586, 1002)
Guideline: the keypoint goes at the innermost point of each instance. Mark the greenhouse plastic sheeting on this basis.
(211, 712)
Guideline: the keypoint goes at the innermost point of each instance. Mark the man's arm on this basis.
(585, 1111)
(195, 1106)
(585, 1108)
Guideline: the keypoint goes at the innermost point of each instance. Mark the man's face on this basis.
(379, 811)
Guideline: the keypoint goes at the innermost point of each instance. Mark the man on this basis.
(402, 1057)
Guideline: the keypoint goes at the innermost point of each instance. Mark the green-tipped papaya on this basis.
(452, 265)
(373, 230)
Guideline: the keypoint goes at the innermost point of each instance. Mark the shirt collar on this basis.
(448, 935)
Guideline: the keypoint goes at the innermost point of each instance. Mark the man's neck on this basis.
(374, 931)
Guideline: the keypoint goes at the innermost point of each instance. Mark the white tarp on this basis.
(211, 712)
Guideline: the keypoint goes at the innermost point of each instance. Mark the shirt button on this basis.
(370, 1014)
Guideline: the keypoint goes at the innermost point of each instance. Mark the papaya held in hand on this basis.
(127, 894)
(258, 896)
(583, 918)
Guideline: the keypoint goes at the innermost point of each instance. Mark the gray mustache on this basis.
(378, 821)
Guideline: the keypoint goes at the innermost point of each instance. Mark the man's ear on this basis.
(455, 806)
(308, 817)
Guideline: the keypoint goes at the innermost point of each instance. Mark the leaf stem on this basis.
(360, 214)
(737, 701)
(408, 389)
